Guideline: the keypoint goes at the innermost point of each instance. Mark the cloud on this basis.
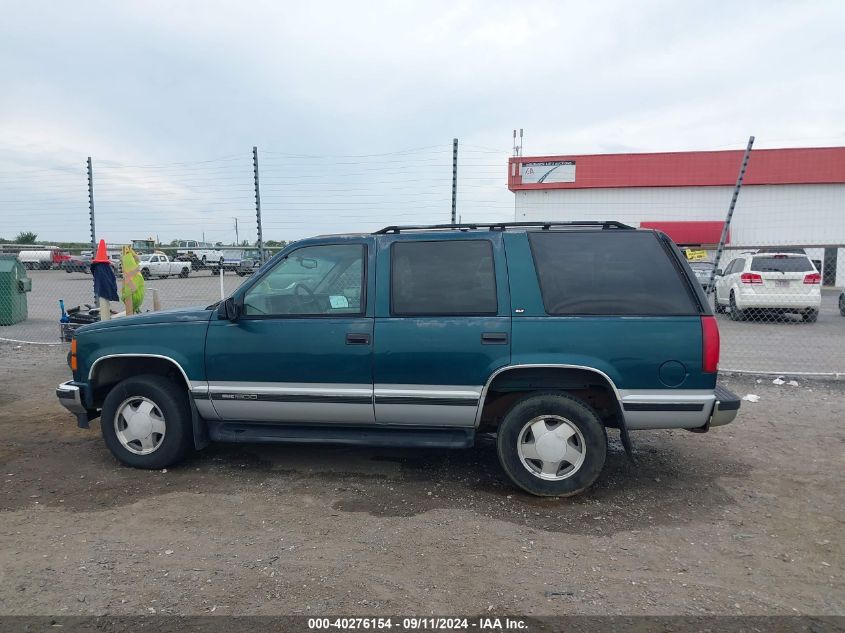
(169, 86)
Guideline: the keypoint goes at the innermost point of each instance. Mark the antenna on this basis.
(517, 147)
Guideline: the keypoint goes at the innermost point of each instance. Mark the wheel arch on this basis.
(519, 379)
(110, 369)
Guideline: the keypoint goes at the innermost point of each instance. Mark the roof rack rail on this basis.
(503, 226)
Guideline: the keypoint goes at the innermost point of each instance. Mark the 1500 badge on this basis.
(239, 396)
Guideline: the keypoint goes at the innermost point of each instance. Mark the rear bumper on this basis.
(773, 300)
(726, 407)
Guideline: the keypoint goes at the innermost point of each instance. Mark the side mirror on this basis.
(230, 310)
(719, 272)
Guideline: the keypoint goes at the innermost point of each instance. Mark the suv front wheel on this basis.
(146, 422)
(552, 444)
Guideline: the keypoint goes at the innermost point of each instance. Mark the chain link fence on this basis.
(781, 309)
(778, 296)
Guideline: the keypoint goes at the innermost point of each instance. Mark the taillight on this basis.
(750, 278)
(709, 344)
(813, 279)
(73, 363)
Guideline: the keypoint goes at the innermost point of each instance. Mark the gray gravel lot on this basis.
(787, 346)
(747, 519)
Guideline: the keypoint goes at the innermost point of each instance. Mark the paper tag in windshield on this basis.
(338, 301)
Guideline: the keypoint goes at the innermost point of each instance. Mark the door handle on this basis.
(353, 338)
(494, 338)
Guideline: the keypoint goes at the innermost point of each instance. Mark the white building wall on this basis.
(765, 214)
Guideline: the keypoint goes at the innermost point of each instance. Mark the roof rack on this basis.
(503, 226)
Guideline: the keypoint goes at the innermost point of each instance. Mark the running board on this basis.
(401, 437)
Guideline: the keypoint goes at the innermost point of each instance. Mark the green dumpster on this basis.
(14, 284)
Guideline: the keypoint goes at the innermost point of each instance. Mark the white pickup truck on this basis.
(201, 253)
(160, 265)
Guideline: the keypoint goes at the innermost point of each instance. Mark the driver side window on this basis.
(312, 281)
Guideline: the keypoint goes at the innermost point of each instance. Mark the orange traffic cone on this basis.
(102, 256)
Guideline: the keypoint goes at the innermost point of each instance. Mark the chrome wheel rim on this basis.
(139, 425)
(551, 447)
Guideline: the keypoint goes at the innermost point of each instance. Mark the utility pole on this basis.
(260, 241)
(454, 178)
(726, 227)
(237, 238)
(91, 214)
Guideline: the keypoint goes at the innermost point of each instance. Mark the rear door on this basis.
(442, 326)
(724, 283)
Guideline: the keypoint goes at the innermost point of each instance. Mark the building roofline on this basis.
(792, 165)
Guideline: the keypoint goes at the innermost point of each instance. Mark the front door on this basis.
(442, 326)
(302, 350)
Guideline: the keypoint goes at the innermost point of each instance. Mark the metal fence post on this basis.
(260, 241)
(727, 225)
(91, 215)
(454, 178)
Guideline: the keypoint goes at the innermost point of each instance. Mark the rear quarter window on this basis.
(608, 273)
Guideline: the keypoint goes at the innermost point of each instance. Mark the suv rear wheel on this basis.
(552, 444)
(146, 422)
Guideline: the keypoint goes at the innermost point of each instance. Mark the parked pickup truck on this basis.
(544, 335)
(160, 265)
(202, 254)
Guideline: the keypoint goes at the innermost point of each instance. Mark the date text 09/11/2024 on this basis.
(417, 623)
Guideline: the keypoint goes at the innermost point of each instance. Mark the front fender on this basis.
(181, 342)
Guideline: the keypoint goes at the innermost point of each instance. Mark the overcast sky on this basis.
(353, 105)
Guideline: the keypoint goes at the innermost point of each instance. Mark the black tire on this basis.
(185, 272)
(172, 402)
(718, 308)
(578, 415)
(736, 313)
(202, 261)
(145, 273)
(842, 304)
(810, 316)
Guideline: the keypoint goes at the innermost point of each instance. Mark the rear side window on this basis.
(621, 273)
(781, 264)
(454, 277)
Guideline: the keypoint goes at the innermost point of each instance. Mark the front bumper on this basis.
(71, 396)
(726, 407)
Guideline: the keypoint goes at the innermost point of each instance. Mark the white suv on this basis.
(771, 282)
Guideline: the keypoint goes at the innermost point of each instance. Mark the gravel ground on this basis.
(747, 519)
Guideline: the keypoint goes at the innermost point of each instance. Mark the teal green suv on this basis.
(423, 336)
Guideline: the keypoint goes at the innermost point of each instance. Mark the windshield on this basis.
(782, 264)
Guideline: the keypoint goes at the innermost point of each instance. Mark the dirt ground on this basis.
(747, 519)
